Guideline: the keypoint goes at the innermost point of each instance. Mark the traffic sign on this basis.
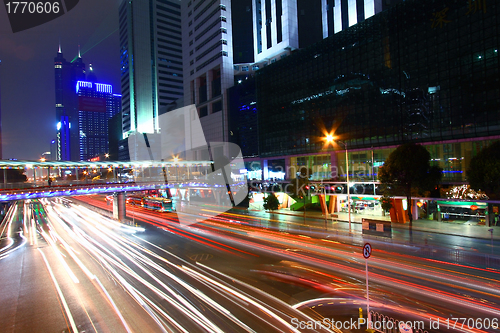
(367, 250)
(405, 328)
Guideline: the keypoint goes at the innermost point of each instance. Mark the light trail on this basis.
(61, 296)
(255, 239)
(138, 255)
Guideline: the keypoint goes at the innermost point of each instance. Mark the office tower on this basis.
(96, 105)
(242, 21)
(341, 14)
(67, 74)
(275, 28)
(374, 87)
(151, 61)
(208, 57)
(285, 25)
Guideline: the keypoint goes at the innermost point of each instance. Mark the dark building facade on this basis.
(114, 135)
(242, 35)
(243, 121)
(420, 71)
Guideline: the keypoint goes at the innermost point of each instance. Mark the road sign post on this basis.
(367, 251)
(491, 232)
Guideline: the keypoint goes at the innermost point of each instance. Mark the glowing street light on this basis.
(330, 138)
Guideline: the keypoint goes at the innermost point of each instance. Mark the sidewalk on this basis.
(447, 228)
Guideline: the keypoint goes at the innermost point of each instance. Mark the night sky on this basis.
(27, 71)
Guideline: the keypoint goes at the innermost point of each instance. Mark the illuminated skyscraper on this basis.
(96, 105)
(82, 111)
(67, 74)
(151, 61)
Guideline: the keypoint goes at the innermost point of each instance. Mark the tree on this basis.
(385, 202)
(271, 202)
(484, 171)
(408, 169)
(299, 186)
(14, 176)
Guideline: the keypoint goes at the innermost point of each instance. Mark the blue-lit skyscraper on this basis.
(67, 74)
(96, 105)
(82, 111)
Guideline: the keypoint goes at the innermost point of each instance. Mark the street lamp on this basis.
(331, 139)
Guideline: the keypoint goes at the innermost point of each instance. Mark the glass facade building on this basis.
(421, 71)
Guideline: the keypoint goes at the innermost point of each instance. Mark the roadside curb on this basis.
(394, 226)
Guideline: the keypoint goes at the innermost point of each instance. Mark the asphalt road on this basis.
(317, 273)
(231, 273)
(97, 275)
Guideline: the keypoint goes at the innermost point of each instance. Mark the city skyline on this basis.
(28, 125)
(330, 162)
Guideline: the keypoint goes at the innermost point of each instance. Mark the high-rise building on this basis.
(282, 26)
(208, 58)
(151, 61)
(82, 111)
(403, 75)
(67, 74)
(96, 105)
(220, 50)
(341, 14)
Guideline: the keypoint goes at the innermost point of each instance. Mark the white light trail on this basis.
(61, 296)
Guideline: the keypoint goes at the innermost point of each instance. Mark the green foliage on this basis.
(484, 171)
(385, 202)
(271, 202)
(14, 176)
(407, 170)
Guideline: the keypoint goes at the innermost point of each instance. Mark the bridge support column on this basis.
(119, 210)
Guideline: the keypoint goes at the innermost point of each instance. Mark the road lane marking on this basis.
(61, 296)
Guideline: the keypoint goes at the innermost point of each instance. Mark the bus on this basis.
(159, 204)
(135, 200)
